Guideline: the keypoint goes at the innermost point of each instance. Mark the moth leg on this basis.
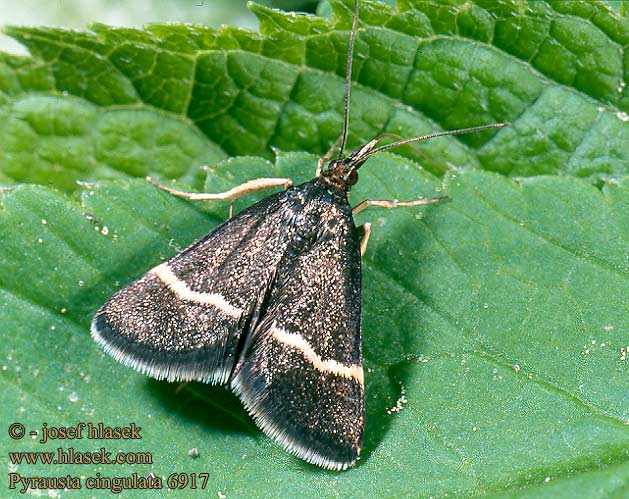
(366, 232)
(323, 160)
(389, 203)
(258, 184)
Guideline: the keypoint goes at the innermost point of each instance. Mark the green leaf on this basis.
(495, 324)
(554, 70)
(97, 143)
(494, 329)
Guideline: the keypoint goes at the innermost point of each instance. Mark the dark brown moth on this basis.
(268, 304)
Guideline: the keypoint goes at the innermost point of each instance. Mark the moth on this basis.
(268, 304)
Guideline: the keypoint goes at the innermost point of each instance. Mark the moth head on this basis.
(342, 173)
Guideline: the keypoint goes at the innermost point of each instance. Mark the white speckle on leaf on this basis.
(400, 402)
(174, 245)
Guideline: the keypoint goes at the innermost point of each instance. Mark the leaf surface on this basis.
(494, 329)
(554, 70)
(495, 324)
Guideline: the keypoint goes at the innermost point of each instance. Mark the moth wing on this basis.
(183, 319)
(301, 375)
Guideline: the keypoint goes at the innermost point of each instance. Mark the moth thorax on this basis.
(340, 174)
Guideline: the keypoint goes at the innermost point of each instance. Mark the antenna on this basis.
(360, 155)
(459, 131)
(348, 80)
